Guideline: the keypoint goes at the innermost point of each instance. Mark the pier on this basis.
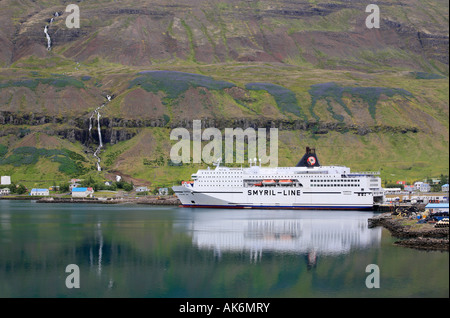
(412, 233)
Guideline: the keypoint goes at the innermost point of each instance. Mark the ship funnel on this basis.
(309, 159)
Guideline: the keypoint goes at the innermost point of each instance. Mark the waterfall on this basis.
(49, 40)
(100, 139)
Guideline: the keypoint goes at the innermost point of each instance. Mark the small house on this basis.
(39, 192)
(445, 188)
(163, 191)
(5, 191)
(409, 188)
(392, 190)
(82, 192)
(424, 187)
(141, 189)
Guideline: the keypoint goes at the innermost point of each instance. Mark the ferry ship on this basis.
(308, 185)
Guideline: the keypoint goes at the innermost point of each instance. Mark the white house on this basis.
(4, 191)
(82, 192)
(141, 189)
(5, 180)
(39, 192)
(424, 187)
(163, 191)
(392, 190)
(445, 188)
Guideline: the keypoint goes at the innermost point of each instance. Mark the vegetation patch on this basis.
(59, 81)
(332, 91)
(71, 163)
(3, 151)
(284, 97)
(424, 75)
(173, 83)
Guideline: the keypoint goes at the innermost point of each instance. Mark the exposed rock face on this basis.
(119, 129)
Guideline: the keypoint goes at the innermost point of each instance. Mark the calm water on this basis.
(143, 251)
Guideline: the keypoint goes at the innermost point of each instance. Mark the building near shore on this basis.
(82, 192)
(445, 188)
(424, 187)
(5, 191)
(437, 207)
(141, 189)
(5, 180)
(39, 192)
(163, 191)
(392, 190)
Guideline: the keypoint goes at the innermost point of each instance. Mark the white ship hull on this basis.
(277, 198)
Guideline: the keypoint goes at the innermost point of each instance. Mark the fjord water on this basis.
(151, 251)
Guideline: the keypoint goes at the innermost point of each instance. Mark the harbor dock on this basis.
(412, 232)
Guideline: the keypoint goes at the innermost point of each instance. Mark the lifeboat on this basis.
(285, 182)
(259, 184)
(187, 182)
(269, 182)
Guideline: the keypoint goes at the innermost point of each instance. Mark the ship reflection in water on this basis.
(309, 233)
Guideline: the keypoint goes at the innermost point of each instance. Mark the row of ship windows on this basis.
(221, 181)
(335, 185)
(336, 180)
(225, 176)
(217, 173)
(220, 185)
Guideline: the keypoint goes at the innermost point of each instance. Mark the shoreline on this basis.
(419, 236)
(157, 200)
(149, 200)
